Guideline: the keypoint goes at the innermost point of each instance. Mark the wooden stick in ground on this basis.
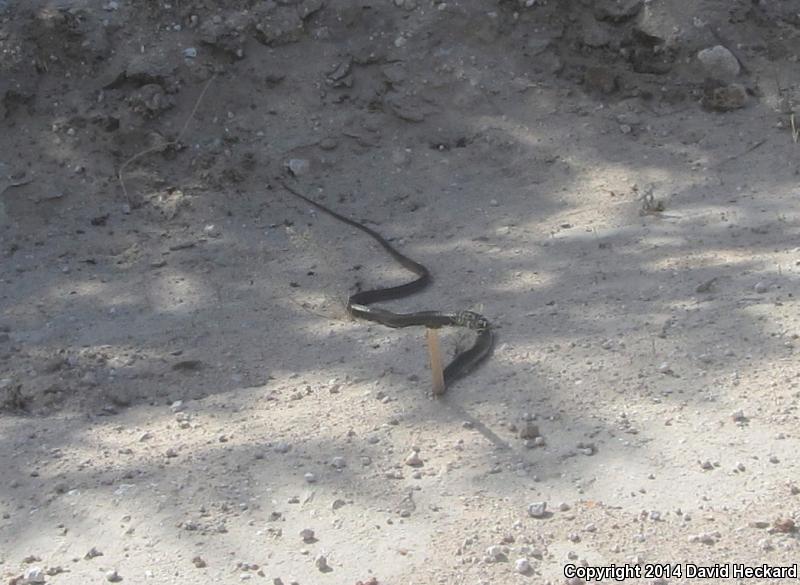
(436, 361)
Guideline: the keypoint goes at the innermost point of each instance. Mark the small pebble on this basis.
(198, 562)
(322, 563)
(413, 459)
(93, 552)
(761, 287)
(523, 566)
(529, 430)
(328, 143)
(537, 509)
(113, 576)
(310, 477)
(705, 537)
(307, 535)
(33, 575)
(495, 554)
(298, 166)
(338, 463)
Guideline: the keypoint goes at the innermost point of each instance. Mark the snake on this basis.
(360, 304)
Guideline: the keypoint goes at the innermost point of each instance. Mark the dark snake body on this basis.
(358, 305)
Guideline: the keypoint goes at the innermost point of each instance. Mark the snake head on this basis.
(472, 320)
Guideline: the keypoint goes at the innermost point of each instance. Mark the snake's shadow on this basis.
(457, 410)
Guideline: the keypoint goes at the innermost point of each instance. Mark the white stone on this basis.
(33, 575)
(537, 509)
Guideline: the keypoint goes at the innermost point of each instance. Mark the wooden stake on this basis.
(436, 361)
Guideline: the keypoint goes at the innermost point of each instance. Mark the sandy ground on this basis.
(182, 394)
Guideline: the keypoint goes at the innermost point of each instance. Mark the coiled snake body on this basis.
(358, 304)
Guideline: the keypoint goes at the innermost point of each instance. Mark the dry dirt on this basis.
(181, 392)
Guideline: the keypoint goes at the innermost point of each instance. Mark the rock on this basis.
(529, 430)
(328, 143)
(199, 562)
(282, 447)
(229, 34)
(761, 287)
(150, 100)
(720, 64)
(413, 459)
(212, 231)
(783, 526)
(495, 554)
(616, 10)
(600, 80)
(33, 575)
(298, 166)
(724, 98)
(176, 406)
(537, 509)
(321, 562)
(113, 576)
(338, 463)
(705, 537)
(277, 24)
(522, 566)
(340, 74)
(93, 552)
(406, 107)
(310, 477)
(307, 535)
(738, 416)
